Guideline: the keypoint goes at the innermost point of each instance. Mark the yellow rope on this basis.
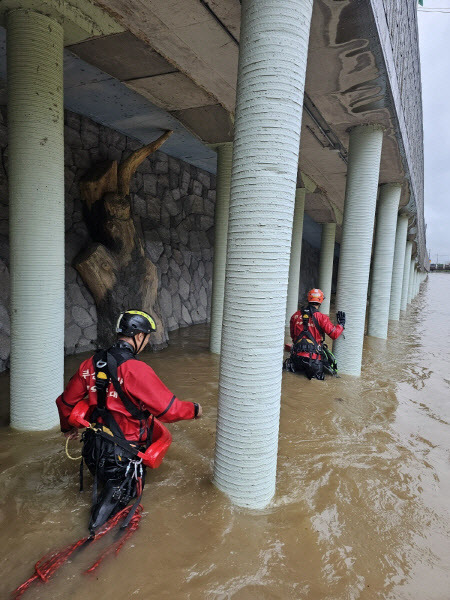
(67, 451)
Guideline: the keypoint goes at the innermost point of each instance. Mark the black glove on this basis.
(340, 318)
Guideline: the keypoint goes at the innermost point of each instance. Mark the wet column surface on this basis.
(405, 282)
(411, 281)
(36, 193)
(397, 268)
(271, 78)
(384, 277)
(356, 246)
(222, 209)
(296, 255)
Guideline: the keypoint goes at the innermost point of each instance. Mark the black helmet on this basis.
(131, 322)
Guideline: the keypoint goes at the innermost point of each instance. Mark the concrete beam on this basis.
(187, 34)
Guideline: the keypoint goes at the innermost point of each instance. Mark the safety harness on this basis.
(108, 454)
(306, 343)
(106, 363)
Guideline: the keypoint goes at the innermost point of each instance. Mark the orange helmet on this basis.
(315, 295)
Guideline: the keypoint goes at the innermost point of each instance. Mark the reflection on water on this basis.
(361, 509)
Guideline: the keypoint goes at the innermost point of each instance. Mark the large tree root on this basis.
(114, 267)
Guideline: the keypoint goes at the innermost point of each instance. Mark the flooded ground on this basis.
(362, 506)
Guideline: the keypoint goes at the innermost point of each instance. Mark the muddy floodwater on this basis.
(362, 508)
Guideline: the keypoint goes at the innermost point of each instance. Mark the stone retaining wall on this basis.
(309, 271)
(174, 203)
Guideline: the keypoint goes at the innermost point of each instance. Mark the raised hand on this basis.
(340, 318)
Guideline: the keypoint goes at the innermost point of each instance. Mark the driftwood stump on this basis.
(114, 267)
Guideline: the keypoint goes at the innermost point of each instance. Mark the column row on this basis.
(391, 258)
(264, 247)
(258, 209)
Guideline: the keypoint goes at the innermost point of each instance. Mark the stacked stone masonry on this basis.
(309, 272)
(174, 203)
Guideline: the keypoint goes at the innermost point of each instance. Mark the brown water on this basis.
(362, 503)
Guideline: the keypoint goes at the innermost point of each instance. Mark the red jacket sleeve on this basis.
(333, 331)
(75, 391)
(147, 389)
(292, 325)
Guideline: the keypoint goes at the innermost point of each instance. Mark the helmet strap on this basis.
(141, 344)
(134, 346)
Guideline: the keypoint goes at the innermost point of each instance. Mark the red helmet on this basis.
(315, 295)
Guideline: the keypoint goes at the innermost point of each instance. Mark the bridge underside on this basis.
(315, 110)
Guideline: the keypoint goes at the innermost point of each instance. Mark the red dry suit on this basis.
(334, 331)
(139, 382)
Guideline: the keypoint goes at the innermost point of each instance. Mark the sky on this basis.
(434, 40)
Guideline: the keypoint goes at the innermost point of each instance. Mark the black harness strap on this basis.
(316, 324)
(150, 432)
(119, 441)
(134, 411)
(101, 411)
(81, 475)
(141, 415)
(308, 335)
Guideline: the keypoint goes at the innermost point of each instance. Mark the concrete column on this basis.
(271, 78)
(356, 246)
(397, 269)
(405, 282)
(224, 160)
(36, 201)
(383, 259)
(411, 281)
(296, 254)
(326, 264)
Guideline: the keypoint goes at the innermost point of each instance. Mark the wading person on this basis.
(121, 396)
(309, 353)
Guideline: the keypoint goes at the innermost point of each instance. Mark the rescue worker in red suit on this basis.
(133, 395)
(308, 327)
